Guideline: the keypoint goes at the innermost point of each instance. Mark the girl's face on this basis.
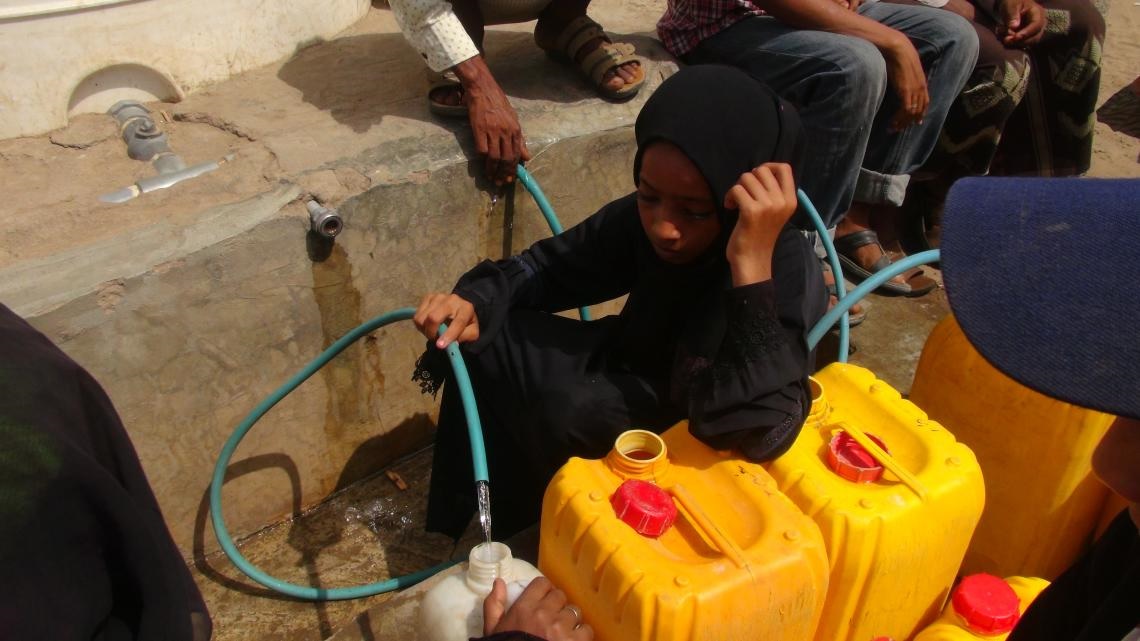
(675, 204)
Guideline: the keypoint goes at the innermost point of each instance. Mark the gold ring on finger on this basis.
(577, 612)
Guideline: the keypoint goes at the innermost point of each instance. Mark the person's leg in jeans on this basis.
(948, 47)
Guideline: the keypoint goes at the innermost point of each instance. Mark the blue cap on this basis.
(1043, 275)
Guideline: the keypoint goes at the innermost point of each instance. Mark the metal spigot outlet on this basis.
(324, 221)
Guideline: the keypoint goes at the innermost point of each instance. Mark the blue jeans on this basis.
(840, 88)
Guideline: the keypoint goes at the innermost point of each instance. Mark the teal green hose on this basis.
(531, 185)
(308, 593)
(539, 199)
(836, 273)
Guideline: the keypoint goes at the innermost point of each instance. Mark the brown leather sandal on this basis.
(606, 57)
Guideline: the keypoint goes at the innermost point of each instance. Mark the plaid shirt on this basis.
(687, 22)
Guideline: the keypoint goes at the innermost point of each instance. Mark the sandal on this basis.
(917, 284)
(606, 57)
(446, 80)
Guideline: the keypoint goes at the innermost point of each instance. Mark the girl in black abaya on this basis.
(721, 292)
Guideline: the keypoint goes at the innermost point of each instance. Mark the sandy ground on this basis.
(1115, 154)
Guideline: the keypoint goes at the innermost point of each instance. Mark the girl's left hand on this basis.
(765, 199)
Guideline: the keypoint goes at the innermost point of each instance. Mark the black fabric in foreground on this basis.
(84, 550)
(1097, 599)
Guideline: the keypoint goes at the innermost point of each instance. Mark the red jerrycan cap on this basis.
(646, 508)
(852, 461)
(986, 603)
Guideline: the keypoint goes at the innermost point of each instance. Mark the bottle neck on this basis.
(638, 454)
(820, 409)
(485, 563)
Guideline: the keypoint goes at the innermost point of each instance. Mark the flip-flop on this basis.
(845, 246)
(445, 80)
(594, 65)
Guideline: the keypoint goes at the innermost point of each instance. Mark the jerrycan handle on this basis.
(707, 527)
(884, 458)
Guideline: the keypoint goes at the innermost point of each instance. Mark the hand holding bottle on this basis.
(541, 610)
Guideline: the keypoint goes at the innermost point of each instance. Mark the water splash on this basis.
(483, 496)
(383, 516)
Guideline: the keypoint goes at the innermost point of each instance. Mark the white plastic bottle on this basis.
(453, 609)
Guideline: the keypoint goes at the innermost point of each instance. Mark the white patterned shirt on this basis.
(433, 29)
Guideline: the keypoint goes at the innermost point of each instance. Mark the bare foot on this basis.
(832, 299)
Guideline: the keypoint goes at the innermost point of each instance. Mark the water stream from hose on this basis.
(483, 496)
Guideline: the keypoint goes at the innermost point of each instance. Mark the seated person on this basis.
(84, 550)
(721, 292)
(1074, 337)
(835, 61)
(1027, 109)
(449, 36)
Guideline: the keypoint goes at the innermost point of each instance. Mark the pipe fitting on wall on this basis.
(324, 221)
(143, 137)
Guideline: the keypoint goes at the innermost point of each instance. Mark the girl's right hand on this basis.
(765, 199)
(457, 312)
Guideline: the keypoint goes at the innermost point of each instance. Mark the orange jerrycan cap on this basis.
(986, 603)
(852, 461)
(643, 506)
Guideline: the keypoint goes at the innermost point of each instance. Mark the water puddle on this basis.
(383, 516)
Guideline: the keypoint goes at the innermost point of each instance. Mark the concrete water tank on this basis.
(63, 57)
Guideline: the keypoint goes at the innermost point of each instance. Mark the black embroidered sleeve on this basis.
(753, 327)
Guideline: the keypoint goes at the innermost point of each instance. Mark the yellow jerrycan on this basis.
(896, 497)
(1042, 500)
(984, 606)
(666, 539)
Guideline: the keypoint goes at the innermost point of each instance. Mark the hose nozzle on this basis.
(324, 221)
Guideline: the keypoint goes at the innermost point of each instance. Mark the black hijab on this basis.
(724, 120)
